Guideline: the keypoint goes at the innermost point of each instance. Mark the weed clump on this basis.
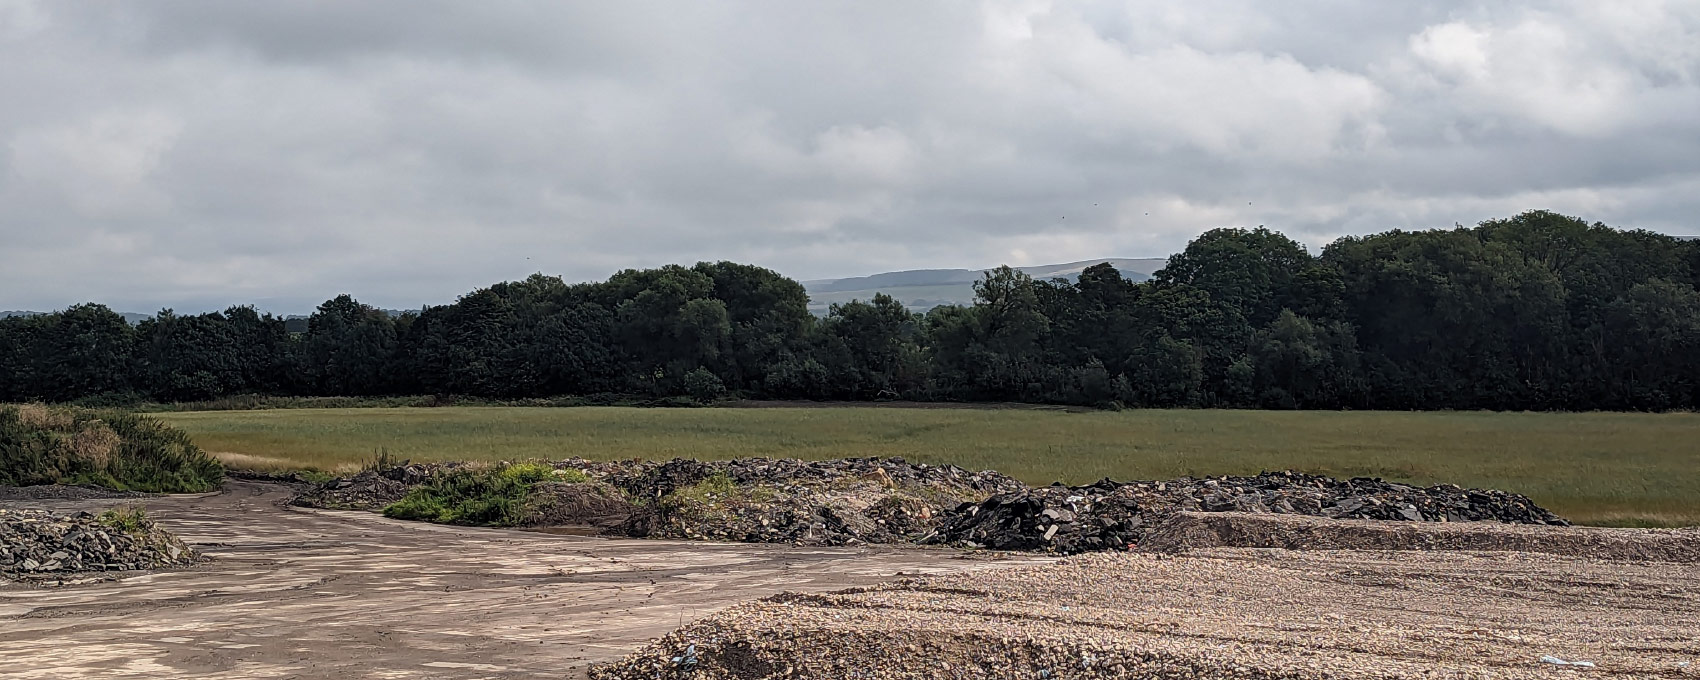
(128, 519)
(61, 445)
(478, 495)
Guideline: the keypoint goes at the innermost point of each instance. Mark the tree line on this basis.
(1538, 311)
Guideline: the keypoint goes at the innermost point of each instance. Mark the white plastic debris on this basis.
(1561, 662)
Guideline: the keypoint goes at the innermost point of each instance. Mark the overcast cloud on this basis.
(199, 154)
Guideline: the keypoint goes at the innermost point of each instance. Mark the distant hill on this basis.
(923, 289)
(132, 317)
(296, 323)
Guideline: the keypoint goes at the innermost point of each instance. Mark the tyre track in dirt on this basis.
(294, 593)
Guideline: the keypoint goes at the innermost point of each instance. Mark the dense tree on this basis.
(1535, 311)
(348, 349)
(208, 355)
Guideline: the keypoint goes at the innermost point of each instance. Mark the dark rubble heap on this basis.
(36, 542)
(832, 502)
(1110, 515)
(871, 500)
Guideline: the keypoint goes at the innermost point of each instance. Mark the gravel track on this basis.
(1230, 613)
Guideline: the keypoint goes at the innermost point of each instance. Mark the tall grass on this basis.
(476, 495)
(1607, 468)
(63, 445)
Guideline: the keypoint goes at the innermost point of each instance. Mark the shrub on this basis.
(62, 445)
(478, 495)
(704, 386)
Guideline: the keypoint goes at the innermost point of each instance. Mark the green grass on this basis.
(129, 519)
(493, 495)
(42, 444)
(1602, 468)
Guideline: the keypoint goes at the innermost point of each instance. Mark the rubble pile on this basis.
(42, 542)
(832, 502)
(871, 500)
(1110, 515)
(371, 489)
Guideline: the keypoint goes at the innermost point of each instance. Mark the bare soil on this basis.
(294, 593)
(1222, 614)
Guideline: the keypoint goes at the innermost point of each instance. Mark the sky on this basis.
(201, 154)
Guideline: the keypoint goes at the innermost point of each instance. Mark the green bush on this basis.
(62, 445)
(704, 386)
(476, 495)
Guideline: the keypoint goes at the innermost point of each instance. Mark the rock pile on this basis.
(371, 489)
(1110, 515)
(832, 502)
(41, 542)
(872, 500)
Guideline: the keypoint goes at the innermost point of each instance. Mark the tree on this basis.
(1256, 271)
(83, 351)
(880, 340)
(347, 349)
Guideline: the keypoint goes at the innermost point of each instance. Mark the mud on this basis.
(296, 593)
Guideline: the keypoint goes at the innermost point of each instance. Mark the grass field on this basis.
(1599, 468)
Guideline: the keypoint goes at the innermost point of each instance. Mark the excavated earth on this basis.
(852, 501)
(1456, 600)
(1211, 591)
(296, 593)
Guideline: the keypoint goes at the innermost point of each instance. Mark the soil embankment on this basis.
(870, 500)
(1405, 607)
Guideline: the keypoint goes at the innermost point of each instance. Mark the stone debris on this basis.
(37, 542)
(371, 489)
(870, 500)
(64, 492)
(1110, 515)
(1229, 614)
(832, 502)
(1186, 531)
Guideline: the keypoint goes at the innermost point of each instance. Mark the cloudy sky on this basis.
(199, 154)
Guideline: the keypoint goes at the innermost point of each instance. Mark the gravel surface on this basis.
(61, 492)
(1228, 613)
(1192, 530)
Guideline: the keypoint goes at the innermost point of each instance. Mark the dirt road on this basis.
(310, 594)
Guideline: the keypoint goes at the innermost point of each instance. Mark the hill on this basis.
(923, 289)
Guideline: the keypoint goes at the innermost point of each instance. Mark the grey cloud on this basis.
(197, 154)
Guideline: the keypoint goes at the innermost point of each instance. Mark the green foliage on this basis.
(64, 445)
(1536, 311)
(478, 495)
(704, 386)
(129, 519)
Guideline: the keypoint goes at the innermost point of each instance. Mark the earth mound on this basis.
(39, 542)
(1197, 530)
(1110, 515)
(871, 500)
(63, 445)
(1227, 613)
(831, 502)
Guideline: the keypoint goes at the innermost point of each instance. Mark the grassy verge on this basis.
(1602, 468)
(257, 402)
(62, 445)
